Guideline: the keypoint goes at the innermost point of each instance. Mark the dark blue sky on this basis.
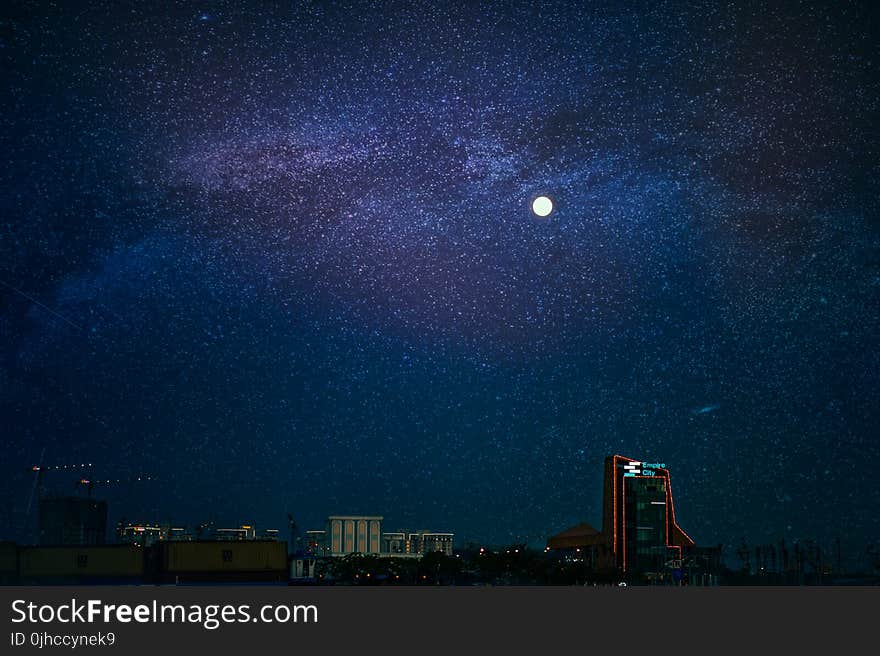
(282, 257)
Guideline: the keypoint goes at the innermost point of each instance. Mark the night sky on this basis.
(283, 258)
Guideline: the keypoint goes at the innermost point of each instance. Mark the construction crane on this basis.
(40, 469)
(37, 490)
(90, 483)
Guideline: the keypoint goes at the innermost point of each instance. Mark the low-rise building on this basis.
(316, 543)
(349, 534)
(424, 542)
(149, 534)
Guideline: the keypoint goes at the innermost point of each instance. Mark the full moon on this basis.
(542, 206)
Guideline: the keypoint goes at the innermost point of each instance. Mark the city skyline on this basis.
(600, 548)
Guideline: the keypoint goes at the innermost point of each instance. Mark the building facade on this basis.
(349, 534)
(72, 521)
(640, 537)
(395, 544)
(244, 533)
(416, 543)
(424, 542)
(639, 516)
(316, 543)
(146, 535)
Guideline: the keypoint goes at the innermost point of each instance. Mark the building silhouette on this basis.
(72, 521)
(639, 515)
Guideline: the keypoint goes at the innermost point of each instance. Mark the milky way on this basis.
(284, 259)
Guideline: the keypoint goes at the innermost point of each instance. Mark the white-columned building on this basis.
(349, 534)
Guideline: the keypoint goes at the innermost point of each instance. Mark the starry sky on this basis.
(281, 256)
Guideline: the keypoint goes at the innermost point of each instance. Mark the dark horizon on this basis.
(854, 556)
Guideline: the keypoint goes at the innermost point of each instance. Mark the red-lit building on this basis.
(640, 538)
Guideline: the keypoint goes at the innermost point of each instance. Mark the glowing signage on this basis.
(638, 468)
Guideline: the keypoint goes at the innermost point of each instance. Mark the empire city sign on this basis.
(636, 468)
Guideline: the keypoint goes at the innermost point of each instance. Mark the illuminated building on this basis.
(268, 534)
(243, 533)
(394, 543)
(238, 534)
(639, 515)
(363, 534)
(148, 534)
(316, 543)
(416, 543)
(640, 536)
(424, 542)
(354, 534)
(302, 568)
